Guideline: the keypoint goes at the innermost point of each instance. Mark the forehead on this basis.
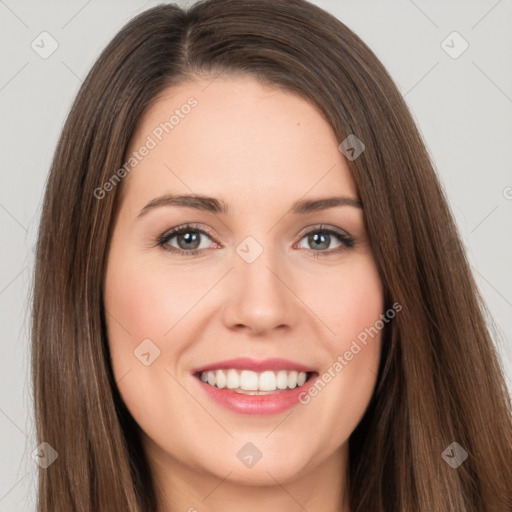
(236, 138)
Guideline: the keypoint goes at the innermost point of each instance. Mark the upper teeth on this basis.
(248, 380)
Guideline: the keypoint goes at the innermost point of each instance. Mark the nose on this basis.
(260, 298)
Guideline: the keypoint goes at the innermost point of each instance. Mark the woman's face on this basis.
(262, 288)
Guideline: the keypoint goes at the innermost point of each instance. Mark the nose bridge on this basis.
(259, 300)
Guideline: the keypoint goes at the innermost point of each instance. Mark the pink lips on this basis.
(255, 404)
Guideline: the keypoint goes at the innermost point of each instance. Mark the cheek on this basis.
(148, 306)
(350, 302)
(149, 299)
(347, 300)
(356, 320)
(142, 304)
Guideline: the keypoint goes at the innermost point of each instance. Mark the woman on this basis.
(249, 289)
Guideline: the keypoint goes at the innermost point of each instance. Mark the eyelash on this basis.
(347, 241)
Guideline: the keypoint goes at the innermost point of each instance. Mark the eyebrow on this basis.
(213, 205)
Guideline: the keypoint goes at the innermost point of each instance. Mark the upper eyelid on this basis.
(324, 227)
(173, 232)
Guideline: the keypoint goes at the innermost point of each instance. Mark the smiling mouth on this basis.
(248, 382)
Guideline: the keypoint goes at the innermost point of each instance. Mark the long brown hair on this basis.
(439, 381)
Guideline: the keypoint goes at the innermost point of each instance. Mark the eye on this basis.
(188, 240)
(322, 238)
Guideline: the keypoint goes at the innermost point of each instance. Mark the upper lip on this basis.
(256, 365)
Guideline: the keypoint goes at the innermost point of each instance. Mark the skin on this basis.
(259, 149)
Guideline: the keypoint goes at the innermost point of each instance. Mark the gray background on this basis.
(463, 107)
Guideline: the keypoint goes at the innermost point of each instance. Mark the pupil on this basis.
(320, 239)
(189, 237)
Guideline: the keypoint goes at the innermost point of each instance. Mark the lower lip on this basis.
(256, 404)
